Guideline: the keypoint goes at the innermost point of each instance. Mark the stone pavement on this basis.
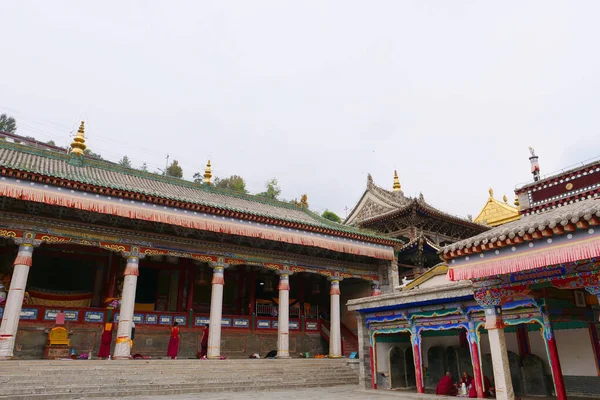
(346, 392)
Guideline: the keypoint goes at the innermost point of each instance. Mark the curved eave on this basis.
(75, 184)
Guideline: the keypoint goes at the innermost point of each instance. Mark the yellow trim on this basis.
(441, 269)
(495, 212)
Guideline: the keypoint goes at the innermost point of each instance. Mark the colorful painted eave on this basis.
(51, 168)
(563, 235)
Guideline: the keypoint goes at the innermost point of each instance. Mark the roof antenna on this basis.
(535, 165)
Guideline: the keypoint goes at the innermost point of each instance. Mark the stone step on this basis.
(51, 379)
(83, 388)
(212, 377)
(147, 390)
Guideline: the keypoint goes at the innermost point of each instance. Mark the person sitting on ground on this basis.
(466, 379)
(446, 386)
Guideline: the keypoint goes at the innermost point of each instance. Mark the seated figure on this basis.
(446, 386)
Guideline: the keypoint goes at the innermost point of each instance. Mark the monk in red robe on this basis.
(204, 343)
(487, 385)
(466, 379)
(446, 387)
(174, 342)
(105, 341)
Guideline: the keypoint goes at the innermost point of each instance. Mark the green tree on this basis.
(330, 215)
(235, 183)
(51, 143)
(175, 170)
(273, 190)
(198, 177)
(144, 167)
(7, 124)
(90, 153)
(125, 162)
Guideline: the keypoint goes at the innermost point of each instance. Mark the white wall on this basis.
(511, 343)
(443, 341)
(575, 352)
(383, 349)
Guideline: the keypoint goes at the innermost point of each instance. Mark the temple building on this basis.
(422, 228)
(496, 212)
(517, 304)
(85, 242)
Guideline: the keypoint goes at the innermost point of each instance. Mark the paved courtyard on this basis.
(349, 392)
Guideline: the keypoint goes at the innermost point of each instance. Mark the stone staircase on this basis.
(74, 379)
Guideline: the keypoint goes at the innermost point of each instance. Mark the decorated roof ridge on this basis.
(550, 177)
(390, 197)
(503, 212)
(110, 166)
(415, 241)
(557, 221)
(436, 270)
(420, 202)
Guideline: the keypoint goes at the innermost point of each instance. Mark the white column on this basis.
(216, 311)
(122, 347)
(283, 316)
(14, 301)
(335, 335)
(502, 379)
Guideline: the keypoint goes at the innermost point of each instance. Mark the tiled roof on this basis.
(110, 175)
(555, 219)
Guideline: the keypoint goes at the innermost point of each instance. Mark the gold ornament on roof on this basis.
(505, 199)
(78, 145)
(491, 192)
(207, 174)
(304, 201)
(517, 201)
(397, 187)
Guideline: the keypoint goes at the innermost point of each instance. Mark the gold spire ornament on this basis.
(397, 187)
(505, 199)
(207, 174)
(516, 201)
(78, 145)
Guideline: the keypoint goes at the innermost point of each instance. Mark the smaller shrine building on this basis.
(517, 303)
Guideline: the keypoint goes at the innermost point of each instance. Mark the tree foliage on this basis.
(235, 183)
(90, 153)
(330, 215)
(198, 177)
(144, 167)
(272, 189)
(125, 162)
(7, 124)
(175, 170)
(51, 143)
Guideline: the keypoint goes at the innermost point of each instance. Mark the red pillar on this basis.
(373, 373)
(523, 340)
(301, 290)
(240, 293)
(191, 285)
(114, 273)
(548, 334)
(415, 339)
(477, 370)
(180, 289)
(252, 292)
(559, 384)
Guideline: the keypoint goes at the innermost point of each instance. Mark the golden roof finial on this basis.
(304, 201)
(491, 192)
(78, 145)
(516, 201)
(207, 174)
(505, 199)
(397, 187)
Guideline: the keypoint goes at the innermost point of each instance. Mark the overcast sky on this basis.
(315, 93)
